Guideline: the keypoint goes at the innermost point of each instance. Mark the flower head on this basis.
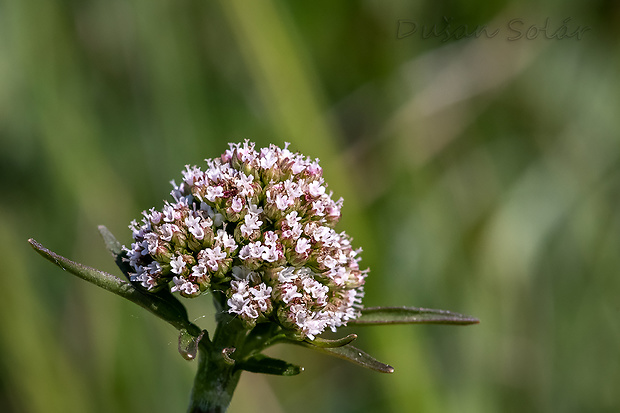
(258, 225)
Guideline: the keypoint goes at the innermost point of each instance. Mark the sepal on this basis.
(112, 244)
(116, 249)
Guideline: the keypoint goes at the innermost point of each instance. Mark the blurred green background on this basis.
(480, 175)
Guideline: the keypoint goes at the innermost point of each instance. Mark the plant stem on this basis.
(214, 385)
(218, 375)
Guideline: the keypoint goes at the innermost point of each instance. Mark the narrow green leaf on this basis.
(267, 365)
(163, 304)
(111, 243)
(410, 315)
(99, 278)
(116, 249)
(323, 342)
(352, 354)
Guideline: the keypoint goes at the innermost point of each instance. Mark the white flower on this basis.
(318, 207)
(177, 264)
(192, 221)
(261, 292)
(271, 238)
(302, 246)
(292, 189)
(268, 158)
(329, 262)
(225, 240)
(168, 212)
(256, 249)
(197, 231)
(214, 192)
(316, 189)
(292, 218)
(289, 292)
(237, 204)
(152, 242)
(261, 295)
(251, 223)
(168, 231)
(282, 202)
(237, 303)
(184, 286)
(287, 275)
(270, 253)
(245, 253)
(244, 183)
(154, 216)
(199, 271)
(192, 175)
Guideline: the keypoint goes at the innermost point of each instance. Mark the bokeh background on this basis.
(480, 175)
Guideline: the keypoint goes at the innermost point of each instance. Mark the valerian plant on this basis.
(255, 231)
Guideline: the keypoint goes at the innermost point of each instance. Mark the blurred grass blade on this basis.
(323, 342)
(352, 354)
(267, 365)
(410, 315)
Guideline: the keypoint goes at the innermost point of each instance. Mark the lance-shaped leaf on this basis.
(323, 342)
(99, 278)
(162, 304)
(352, 354)
(116, 249)
(111, 243)
(260, 363)
(410, 315)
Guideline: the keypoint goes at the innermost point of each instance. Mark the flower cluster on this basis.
(257, 225)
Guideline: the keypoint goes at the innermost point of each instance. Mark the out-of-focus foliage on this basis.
(481, 175)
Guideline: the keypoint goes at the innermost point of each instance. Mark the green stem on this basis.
(213, 386)
(218, 375)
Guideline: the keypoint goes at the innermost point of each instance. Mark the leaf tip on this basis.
(37, 246)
